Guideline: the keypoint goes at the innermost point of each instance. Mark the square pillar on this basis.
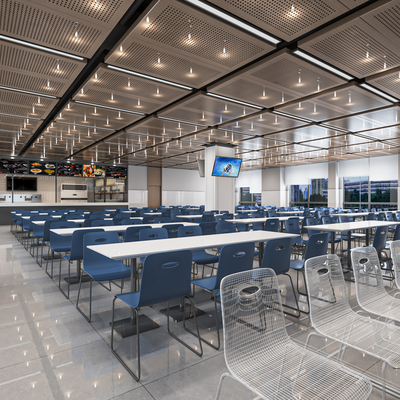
(333, 185)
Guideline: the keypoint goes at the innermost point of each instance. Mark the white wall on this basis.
(182, 187)
(137, 186)
(252, 179)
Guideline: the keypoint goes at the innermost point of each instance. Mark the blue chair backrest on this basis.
(234, 258)
(131, 221)
(148, 219)
(271, 225)
(77, 242)
(58, 239)
(389, 216)
(153, 234)
(277, 255)
(326, 219)
(272, 213)
(208, 228)
(397, 216)
(75, 216)
(157, 220)
(396, 235)
(131, 234)
(317, 245)
(207, 217)
(38, 230)
(381, 216)
(224, 212)
(194, 230)
(380, 238)
(292, 226)
(93, 260)
(225, 227)
(172, 230)
(370, 217)
(343, 219)
(102, 222)
(165, 276)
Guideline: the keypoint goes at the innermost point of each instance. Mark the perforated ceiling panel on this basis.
(32, 70)
(389, 83)
(183, 45)
(76, 27)
(356, 48)
(278, 79)
(286, 19)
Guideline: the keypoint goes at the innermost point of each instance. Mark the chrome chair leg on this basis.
(90, 299)
(131, 373)
(59, 279)
(199, 353)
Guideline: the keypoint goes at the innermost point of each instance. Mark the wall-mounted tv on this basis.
(22, 184)
(225, 166)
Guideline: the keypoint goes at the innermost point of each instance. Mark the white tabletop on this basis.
(351, 226)
(53, 216)
(116, 228)
(188, 216)
(247, 210)
(289, 212)
(254, 220)
(128, 212)
(123, 251)
(360, 214)
(152, 213)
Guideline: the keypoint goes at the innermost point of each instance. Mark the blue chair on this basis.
(199, 257)
(131, 221)
(208, 228)
(225, 227)
(76, 254)
(100, 268)
(271, 225)
(172, 230)
(131, 234)
(152, 234)
(272, 213)
(38, 233)
(102, 222)
(277, 257)
(317, 246)
(158, 220)
(165, 277)
(207, 217)
(292, 226)
(148, 219)
(59, 244)
(234, 258)
(380, 243)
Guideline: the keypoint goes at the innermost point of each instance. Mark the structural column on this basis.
(333, 185)
(273, 187)
(220, 191)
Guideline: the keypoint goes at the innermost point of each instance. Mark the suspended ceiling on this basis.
(180, 77)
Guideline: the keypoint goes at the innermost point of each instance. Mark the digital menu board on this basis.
(6, 166)
(37, 168)
(94, 171)
(20, 167)
(69, 170)
(116, 172)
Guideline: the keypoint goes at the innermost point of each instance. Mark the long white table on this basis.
(290, 212)
(116, 228)
(249, 221)
(191, 217)
(352, 215)
(152, 213)
(348, 227)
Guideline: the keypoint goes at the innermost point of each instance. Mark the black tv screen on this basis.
(22, 184)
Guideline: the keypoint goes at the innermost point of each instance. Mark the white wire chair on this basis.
(370, 290)
(260, 354)
(395, 253)
(332, 316)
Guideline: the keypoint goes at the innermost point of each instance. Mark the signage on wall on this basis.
(116, 172)
(69, 170)
(94, 171)
(37, 168)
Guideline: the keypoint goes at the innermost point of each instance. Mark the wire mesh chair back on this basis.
(252, 317)
(370, 289)
(260, 354)
(395, 253)
(329, 305)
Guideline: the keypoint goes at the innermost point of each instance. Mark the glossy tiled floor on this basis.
(49, 351)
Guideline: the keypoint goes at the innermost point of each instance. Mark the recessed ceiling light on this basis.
(234, 101)
(42, 48)
(378, 92)
(28, 92)
(235, 21)
(322, 64)
(152, 78)
(108, 108)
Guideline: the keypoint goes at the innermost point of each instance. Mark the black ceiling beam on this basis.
(133, 13)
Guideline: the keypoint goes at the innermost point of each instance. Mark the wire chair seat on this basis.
(371, 293)
(260, 354)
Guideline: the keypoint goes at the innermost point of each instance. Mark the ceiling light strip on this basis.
(27, 92)
(293, 117)
(334, 128)
(20, 116)
(149, 77)
(42, 48)
(322, 64)
(235, 101)
(237, 22)
(182, 122)
(108, 108)
(373, 89)
(84, 126)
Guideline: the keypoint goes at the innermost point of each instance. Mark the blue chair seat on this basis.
(132, 299)
(103, 274)
(206, 283)
(202, 257)
(62, 248)
(297, 264)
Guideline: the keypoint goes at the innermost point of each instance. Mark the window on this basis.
(319, 190)
(355, 189)
(384, 191)
(316, 192)
(299, 193)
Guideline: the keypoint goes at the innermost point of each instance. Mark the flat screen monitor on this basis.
(22, 184)
(229, 167)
